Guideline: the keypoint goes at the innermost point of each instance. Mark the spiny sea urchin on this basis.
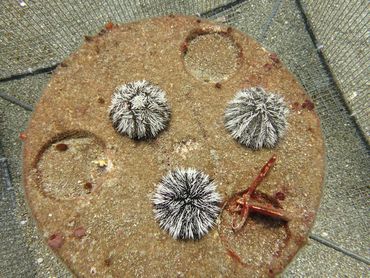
(139, 109)
(186, 203)
(256, 118)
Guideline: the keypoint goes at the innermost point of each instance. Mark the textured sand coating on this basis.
(90, 188)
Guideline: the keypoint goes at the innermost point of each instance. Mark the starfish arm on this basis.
(243, 218)
(272, 212)
(257, 181)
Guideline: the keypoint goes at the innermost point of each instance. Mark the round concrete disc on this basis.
(90, 188)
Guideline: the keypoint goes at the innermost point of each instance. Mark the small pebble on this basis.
(88, 38)
(101, 163)
(109, 26)
(39, 260)
(268, 66)
(22, 136)
(309, 105)
(93, 270)
(101, 100)
(274, 58)
(61, 147)
(88, 186)
(79, 232)
(218, 85)
(108, 262)
(295, 106)
(55, 241)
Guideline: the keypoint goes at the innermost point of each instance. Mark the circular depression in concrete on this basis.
(70, 166)
(211, 56)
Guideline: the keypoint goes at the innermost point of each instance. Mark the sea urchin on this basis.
(256, 118)
(186, 203)
(139, 110)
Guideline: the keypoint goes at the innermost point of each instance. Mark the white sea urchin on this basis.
(186, 203)
(256, 118)
(139, 109)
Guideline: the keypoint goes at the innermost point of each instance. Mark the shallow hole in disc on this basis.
(211, 56)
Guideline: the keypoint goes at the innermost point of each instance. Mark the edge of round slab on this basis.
(118, 219)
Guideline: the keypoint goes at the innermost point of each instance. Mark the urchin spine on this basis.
(139, 110)
(256, 118)
(186, 203)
